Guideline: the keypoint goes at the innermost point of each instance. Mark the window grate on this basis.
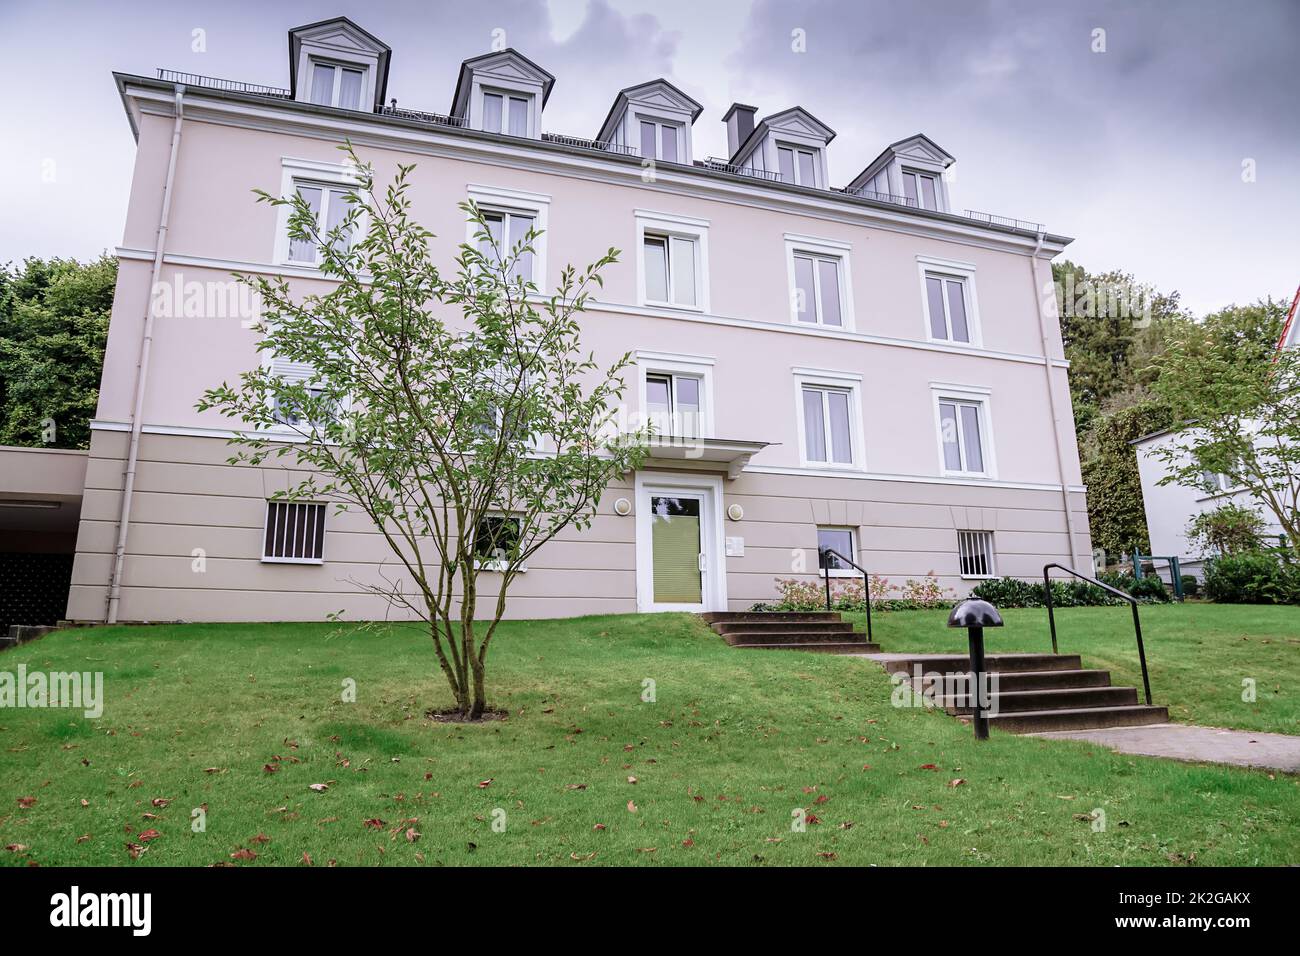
(975, 553)
(295, 532)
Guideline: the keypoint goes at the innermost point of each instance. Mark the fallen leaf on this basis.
(26, 802)
(243, 854)
(599, 826)
(631, 807)
(957, 782)
(306, 859)
(319, 787)
(144, 836)
(485, 783)
(161, 801)
(412, 834)
(374, 823)
(16, 847)
(928, 766)
(631, 779)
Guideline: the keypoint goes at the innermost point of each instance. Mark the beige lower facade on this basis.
(194, 547)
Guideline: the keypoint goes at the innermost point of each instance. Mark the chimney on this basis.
(740, 123)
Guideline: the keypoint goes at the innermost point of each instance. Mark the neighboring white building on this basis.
(1170, 508)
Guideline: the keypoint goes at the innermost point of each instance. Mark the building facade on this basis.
(857, 366)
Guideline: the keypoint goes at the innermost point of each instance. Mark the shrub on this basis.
(1250, 578)
(1191, 586)
(1013, 592)
(1227, 529)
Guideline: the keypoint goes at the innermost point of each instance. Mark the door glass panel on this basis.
(675, 546)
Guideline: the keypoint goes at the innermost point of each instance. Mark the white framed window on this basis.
(676, 393)
(505, 112)
(841, 540)
(294, 533)
(672, 261)
(496, 541)
(510, 214)
(337, 84)
(962, 419)
(921, 189)
(660, 140)
(975, 554)
(828, 406)
(1217, 483)
(797, 164)
(948, 301)
(324, 187)
(821, 291)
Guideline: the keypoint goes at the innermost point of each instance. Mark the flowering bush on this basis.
(848, 594)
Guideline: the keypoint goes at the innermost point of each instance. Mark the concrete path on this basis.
(1189, 742)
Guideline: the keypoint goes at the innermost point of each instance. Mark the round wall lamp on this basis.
(735, 512)
(622, 507)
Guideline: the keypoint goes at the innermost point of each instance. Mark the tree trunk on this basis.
(480, 694)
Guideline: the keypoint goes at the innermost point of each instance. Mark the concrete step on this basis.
(713, 617)
(1001, 663)
(1051, 680)
(1084, 718)
(1022, 701)
(857, 647)
(758, 627)
(792, 636)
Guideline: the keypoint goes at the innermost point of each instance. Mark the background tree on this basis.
(1116, 512)
(1227, 529)
(53, 328)
(1241, 400)
(459, 414)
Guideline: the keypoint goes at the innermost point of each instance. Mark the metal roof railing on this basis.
(216, 83)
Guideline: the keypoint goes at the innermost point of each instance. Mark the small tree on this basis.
(1241, 399)
(458, 414)
(1228, 529)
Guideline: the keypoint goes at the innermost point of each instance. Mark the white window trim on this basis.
(970, 395)
(266, 514)
(940, 193)
(951, 268)
(506, 95)
(853, 553)
(685, 227)
(311, 173)
(667, 363)
(659, 122)
(503, 199)
(489, 82)
(827, 249)
(992, 554)
(850, 382)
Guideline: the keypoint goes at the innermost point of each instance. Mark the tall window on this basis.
(659, 141)
(921, 189)
(975, 553)
(506, 230)
(503, 113)
(674, 404)
(837, 539)
(333, 85)
(295, 532)
(1216, 482)
(817, 289)
(329, 205)
(827, 425)
(670, 270)
(946, 303)
(797, 165)
(962, 436)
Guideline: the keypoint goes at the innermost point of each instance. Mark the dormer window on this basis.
(336, 63)
(503, 113)
(659, 141)
(797, 165)
(337, 85)
(921, 189)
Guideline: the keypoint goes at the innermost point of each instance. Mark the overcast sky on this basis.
(1137, 151)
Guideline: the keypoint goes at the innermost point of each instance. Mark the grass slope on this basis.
(733, 743)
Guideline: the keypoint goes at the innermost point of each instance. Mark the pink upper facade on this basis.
(742, 334)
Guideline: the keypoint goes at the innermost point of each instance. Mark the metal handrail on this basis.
(1137, 624)
(866, 583)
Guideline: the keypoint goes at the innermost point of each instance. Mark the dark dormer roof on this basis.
(625, 95)
(774, 122)
(384, 51)
(460, 96)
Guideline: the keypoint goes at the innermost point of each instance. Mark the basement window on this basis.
(975, 553)
(294, 533)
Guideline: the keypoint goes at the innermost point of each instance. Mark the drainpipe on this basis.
(1051, 396)
(142, 369)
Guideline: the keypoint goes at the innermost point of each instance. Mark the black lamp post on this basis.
(975, 615)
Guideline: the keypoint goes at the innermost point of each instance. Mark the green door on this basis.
(675, 549)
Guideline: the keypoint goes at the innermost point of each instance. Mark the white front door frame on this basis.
(712, 540)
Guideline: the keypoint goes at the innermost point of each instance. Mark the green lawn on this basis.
(734, 742)
(1198, 654)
